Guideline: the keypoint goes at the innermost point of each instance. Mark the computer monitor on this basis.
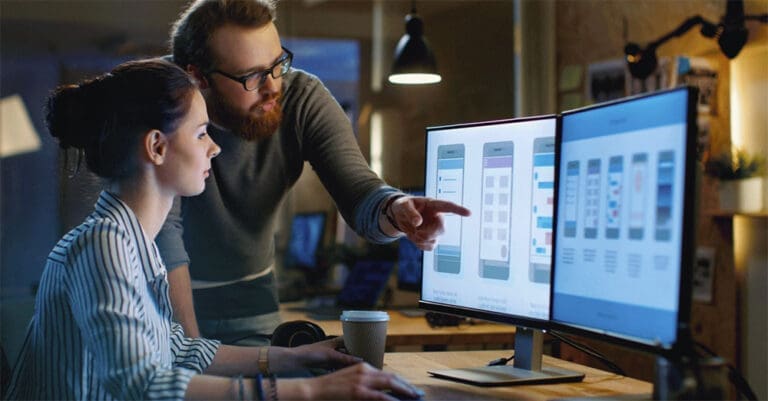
(495, 264)
(624, 237)
(409, 258)
(305, 240)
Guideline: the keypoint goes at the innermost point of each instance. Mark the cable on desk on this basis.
(741, 384)
(501, 361)
(589, 351)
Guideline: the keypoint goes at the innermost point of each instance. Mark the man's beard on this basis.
(247, 125)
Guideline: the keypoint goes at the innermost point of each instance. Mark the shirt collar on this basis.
(111, 207)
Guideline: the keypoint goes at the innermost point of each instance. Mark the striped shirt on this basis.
(102, 326)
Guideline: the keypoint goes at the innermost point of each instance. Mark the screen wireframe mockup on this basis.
(498, 259)
(620, 241)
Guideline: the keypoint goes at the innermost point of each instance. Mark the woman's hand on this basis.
(322, 354)
(358, 382)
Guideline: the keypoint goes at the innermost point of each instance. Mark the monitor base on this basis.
(618, 397)
(508, 375)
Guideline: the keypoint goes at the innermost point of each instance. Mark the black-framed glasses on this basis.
(256, 80)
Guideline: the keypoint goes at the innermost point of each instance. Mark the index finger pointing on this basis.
(441, 206)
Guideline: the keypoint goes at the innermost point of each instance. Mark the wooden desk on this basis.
(404, 330)
(413, 366)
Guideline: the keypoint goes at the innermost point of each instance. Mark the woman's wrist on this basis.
(296, 389)
(279, 359)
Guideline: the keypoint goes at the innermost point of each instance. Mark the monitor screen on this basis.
(409, 258)
(305, 240)
(624, 215)
(365, 284)
(494, 264)
(408, 265)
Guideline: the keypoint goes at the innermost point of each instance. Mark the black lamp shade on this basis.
(414, 61)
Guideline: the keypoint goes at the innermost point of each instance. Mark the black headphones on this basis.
(436, 319)
(290, 334)
(297, 332)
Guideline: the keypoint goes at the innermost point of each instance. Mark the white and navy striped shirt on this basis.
(102, 326)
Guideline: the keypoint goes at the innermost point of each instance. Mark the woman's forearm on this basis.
(232, 360)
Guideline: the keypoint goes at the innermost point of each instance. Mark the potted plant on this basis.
(741, 180)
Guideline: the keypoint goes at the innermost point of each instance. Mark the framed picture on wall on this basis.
(605, 80)
(661, 78)
(701, 73)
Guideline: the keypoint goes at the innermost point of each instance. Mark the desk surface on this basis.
(413, 366)
(406, 330)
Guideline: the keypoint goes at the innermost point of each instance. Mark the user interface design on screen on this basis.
(620, 230)
(498, 259)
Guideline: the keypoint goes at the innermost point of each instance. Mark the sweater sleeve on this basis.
(329, 144)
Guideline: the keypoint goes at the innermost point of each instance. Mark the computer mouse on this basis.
(401, 396)
(404, 397)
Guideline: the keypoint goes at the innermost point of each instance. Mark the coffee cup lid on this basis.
(364, 316)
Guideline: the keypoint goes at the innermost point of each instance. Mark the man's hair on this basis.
(190, 33)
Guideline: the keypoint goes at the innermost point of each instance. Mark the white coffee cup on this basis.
(365, 334)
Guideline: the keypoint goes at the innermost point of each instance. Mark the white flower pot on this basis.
(742, 195)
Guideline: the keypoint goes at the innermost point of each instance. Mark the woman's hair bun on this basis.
(73, 112)
(107, 116)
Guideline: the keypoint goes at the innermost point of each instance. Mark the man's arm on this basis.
(180, 292)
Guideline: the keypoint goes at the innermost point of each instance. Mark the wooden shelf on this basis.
(725, 214)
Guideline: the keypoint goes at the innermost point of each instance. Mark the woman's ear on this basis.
(198, 75)
(155, 146)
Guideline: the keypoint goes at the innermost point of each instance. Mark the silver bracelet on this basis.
(241, 388)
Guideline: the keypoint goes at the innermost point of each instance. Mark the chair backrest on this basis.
(5, 372)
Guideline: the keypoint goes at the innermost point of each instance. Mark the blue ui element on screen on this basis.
(305, 240)
(450, 187)
(620, 275)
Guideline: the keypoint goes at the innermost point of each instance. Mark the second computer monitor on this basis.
(494, 264)
(624, 233)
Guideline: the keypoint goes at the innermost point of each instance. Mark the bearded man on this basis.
(268, 118)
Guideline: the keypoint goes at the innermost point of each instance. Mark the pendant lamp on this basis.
(414, 61)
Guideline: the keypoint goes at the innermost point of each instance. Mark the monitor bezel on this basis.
(516, 320)
(683, 336)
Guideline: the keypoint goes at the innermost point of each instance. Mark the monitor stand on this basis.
(526, 369)
(670, 382)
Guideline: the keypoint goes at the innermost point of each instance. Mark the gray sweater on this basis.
(227, 232)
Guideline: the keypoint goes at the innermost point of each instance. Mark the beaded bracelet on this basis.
(272, 387)
(386, 208)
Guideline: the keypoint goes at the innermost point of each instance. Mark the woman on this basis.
(102, 326)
